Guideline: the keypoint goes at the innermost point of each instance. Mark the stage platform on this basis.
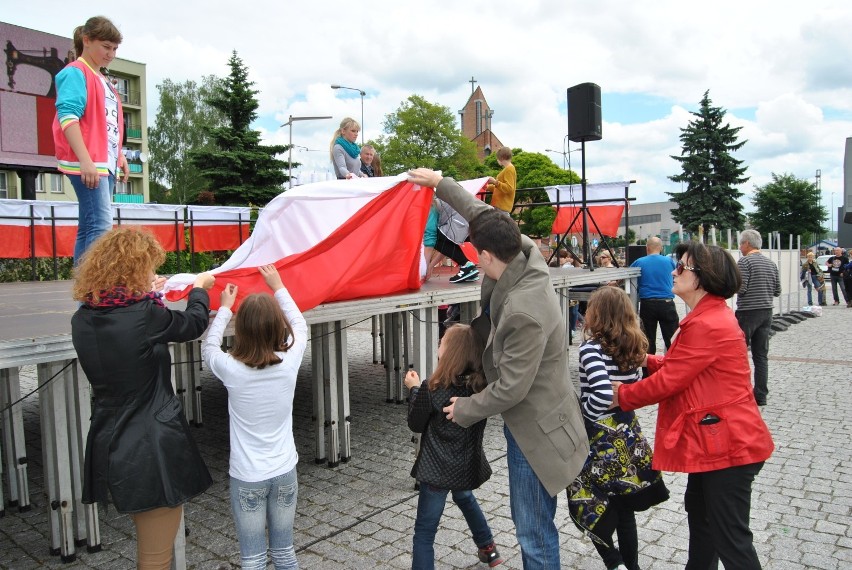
(35, 329)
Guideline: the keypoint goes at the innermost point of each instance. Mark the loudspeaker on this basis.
(584, 112)
(634, 252)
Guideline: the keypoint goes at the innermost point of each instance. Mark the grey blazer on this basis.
(525, 361)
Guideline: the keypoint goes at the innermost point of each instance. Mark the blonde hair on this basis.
(504, 153)
(462, 357)
(377, 165)
(125, 256)
(96, 28)
(346, 123)
(612, 321)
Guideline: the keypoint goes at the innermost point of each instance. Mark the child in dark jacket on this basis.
(451, 458)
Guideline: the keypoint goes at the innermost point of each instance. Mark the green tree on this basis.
(709, 171)
(240, 169)
(420, 133)
(535, 171)
(175, 133)
(788, 205)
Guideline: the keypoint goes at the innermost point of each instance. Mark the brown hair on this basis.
(504, 153)
(377, 165)
(462, 357)
(492, 230)
(95, 28)
(261, 330)
(125, 256)
(611, 320)
(715, 268)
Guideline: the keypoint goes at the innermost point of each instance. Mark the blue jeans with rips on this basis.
(430, 507)
(94, 212)
(533, 510)
(266, 504)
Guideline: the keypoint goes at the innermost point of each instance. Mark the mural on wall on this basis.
(28, 94)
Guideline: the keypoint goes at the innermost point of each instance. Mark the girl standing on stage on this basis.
(617, 478)
(89, 127)
(260, 375)
(451, 458)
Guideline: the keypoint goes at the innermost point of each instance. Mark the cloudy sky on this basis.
(781, 69)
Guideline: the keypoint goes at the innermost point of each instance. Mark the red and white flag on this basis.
(332, 241)
(217, 228)
(38, 227)
(605, 202)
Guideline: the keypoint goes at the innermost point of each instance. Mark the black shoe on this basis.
(761, 402)
(490, 556)
(467, 272)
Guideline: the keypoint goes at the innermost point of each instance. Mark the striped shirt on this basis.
(597, 373)
(761, 282)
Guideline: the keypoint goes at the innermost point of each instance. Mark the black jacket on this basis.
(451, 457)
(139, 450)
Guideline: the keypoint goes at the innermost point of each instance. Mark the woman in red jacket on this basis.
(708, 422)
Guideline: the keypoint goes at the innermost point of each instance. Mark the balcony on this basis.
(131, 97)
(135, 168)
(134, 131)
(128, 198)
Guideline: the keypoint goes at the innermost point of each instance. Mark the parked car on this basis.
(822, 263)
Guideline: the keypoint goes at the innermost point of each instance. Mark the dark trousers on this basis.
(627, 551)
(662, 311)
(757, 326)
(835, 281)
(451, 249)
(718, 507)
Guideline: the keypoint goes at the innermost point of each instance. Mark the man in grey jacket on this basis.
(525, 362)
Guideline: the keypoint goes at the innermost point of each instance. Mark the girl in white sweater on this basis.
(260, 375)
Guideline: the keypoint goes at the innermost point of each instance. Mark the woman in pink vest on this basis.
(89, 129)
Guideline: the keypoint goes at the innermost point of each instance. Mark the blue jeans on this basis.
(430, 507)
(533, 510)
(256, 506)
(813, 283)
(94, 212)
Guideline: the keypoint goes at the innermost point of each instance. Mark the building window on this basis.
(55, 183)
(123, 187)
(40, 185)
(4, 185)
(122, 85)
(478, 117)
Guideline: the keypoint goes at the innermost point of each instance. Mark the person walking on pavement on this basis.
(656, 300)
(755, 304)
(526, 364)
(835, 265)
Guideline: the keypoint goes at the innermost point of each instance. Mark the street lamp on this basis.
(362, 93)
(289, 123)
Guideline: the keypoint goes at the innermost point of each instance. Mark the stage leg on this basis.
(318, 393)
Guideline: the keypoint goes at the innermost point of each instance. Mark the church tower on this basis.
(476, 122)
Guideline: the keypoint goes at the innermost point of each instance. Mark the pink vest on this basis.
(92, 125)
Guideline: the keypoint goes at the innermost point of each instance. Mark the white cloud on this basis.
(780, 67)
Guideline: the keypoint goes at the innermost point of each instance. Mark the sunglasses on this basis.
(681, 266)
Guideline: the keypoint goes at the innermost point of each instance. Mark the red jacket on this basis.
(706, 371)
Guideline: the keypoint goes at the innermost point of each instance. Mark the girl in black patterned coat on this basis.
(451, 458)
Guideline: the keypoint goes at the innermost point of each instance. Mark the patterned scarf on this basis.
(351, 148)
(118, 296)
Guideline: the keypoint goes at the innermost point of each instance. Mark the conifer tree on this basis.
(239, 168)
(710, 172)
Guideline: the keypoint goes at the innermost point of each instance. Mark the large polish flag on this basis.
(606, 203)
(332, 241)
(38, 228)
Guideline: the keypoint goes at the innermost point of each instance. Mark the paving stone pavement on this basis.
(361, 514)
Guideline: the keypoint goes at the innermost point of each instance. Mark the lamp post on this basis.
(289, 123)
(362, 93)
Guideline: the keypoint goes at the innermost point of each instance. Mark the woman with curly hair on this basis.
(140, 454)
(617, 478)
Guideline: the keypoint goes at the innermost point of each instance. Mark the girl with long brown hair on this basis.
(617, 478)
(451, 458)
(260, 374)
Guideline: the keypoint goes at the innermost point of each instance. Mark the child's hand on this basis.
(492, 180)
(271, 277)
(158, 283)
(615, 387)
(229, 295)
(411, 379)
